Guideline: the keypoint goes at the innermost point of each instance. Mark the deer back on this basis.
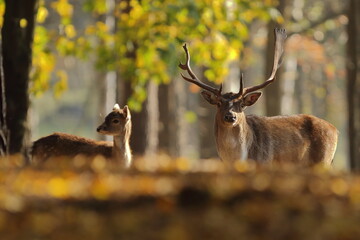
(62, 144)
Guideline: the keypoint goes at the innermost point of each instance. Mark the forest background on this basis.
(87, 55)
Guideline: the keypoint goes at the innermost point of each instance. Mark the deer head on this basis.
(116, 121)
(230, 105)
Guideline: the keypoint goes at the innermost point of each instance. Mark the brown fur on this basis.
(301, 139)
(57, 144)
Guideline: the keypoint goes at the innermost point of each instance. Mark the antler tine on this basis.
(280, 36)
(193, 78)
(220, 88)
(241, 89)
(241, 83)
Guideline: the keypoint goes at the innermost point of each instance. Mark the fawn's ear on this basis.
(209, 97)
(251, 98)
(116, 107)
(126, 112)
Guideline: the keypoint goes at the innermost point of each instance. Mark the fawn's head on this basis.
(116, 122)
(230, 106)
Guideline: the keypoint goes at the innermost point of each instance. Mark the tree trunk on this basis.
(353, 71)
(144, 137)
(139, 136)
(273, 92)
(177, 125)
(206, 113)
(152, 126)
(17, 36)
(101, 91)
(300, 93)
(4, 132)
(164, 119)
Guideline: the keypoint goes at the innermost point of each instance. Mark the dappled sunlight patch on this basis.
(12, 161)
(339, 186)
(243, 166)
(261, 182)
(98, 163)
(12, 202)
(354, 193)
(100, 190)
(164, 163)
(58, 187)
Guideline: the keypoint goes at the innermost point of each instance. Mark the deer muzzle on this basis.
(231, 118)
(100, 128)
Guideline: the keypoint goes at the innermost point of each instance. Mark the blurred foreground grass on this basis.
(162, 198)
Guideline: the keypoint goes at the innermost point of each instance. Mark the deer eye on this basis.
(115, 121)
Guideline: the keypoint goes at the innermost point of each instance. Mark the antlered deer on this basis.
(117, 124)
(301, 139)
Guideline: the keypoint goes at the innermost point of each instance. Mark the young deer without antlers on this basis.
(301, 139)
(117, 124)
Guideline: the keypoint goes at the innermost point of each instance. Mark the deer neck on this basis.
(233, 141)
(121, 149)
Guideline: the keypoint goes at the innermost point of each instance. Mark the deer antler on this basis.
(193, 78)
(280, 36)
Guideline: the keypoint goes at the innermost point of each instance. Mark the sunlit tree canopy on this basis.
(145, 43)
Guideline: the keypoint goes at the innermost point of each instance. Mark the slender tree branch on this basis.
(4, 147)
(318, 22)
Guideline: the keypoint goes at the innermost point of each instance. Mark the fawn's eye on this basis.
(116, 121)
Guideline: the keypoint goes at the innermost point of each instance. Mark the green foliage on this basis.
(146, 44)
(64, 9)
(44, 59)
(150, 35)
(95, 6)
(43, 62)
(2, 11)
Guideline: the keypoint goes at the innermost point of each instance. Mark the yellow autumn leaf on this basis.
(63, 8)
(2, 8)
(70, 31)
(62, 84)
(101, 26)
(232, 54)
(23, 23)
(89, 30)
(42, 14)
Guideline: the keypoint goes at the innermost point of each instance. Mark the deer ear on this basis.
(251, 98)
(116, 107)
(209, 97)
(126, 112)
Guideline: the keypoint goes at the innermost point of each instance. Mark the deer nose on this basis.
(99, 129)
(229, 118)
